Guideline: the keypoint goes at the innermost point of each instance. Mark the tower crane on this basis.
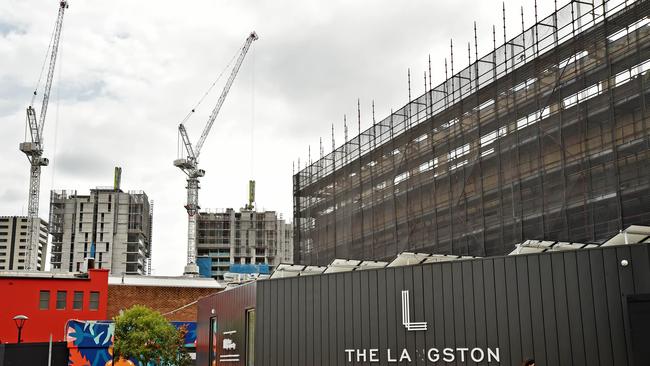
(34, 148)
(189, 164)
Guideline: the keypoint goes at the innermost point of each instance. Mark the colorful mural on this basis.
(91, 342)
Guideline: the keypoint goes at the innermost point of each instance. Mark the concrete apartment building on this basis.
(14, 238)
(245, 237)
(117, 222)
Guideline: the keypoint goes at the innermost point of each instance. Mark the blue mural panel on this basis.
(90, 343)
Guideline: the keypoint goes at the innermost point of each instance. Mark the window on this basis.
(458, 152)
(77, 300)
(250, 337)
(573, 58)
(401, 177)
(44, 300)
(629, 29)
(428, 165)
(525, 84)
(533, 118)
(492, 136)
(93, 301)
(582, 95)
(421, 138)
(450, 123)
(485, 104)
(61, 297)
(214, 343)
(457, 165)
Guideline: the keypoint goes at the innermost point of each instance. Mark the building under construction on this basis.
(109, 225)
(228, 239)
(546, 137)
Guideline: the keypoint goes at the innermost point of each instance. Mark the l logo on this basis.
(406, 315)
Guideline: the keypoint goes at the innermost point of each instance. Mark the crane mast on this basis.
(34, 148)
(189, 164)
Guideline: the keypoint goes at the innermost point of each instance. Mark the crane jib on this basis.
(196, 151)
(34, 148)
(190, 165)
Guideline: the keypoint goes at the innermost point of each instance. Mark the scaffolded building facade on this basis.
(546, 137)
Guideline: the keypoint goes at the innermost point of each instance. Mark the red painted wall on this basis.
(20, 295)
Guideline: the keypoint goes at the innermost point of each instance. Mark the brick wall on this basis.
(162, 299)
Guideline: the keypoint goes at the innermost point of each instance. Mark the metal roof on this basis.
(348, 265)
(634, 234)
(164, 281)
(42, 274)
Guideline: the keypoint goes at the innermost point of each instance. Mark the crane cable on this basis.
(252, 162)
(47, 53)
(56, 115)
(187, 117)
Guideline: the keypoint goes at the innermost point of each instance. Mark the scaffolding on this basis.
(546, 137)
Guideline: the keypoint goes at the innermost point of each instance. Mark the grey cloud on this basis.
(82, 92)
(7, 28)
(81, 164)
(11, 194)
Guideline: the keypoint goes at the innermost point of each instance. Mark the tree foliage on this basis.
(145, 335)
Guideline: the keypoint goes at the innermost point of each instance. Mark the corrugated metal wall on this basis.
(230, 311)
(562, 308)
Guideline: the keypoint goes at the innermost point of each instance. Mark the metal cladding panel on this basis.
(230, 308)
(560, 308)
(33, 353)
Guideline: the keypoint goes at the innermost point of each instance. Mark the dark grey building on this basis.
(565, 307)
(546, 137)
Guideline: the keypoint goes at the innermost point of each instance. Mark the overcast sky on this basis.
(129, 71)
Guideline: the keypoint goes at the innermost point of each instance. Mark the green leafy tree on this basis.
(145, 335)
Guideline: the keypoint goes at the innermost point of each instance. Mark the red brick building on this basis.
(175, 297)
(49, 300)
